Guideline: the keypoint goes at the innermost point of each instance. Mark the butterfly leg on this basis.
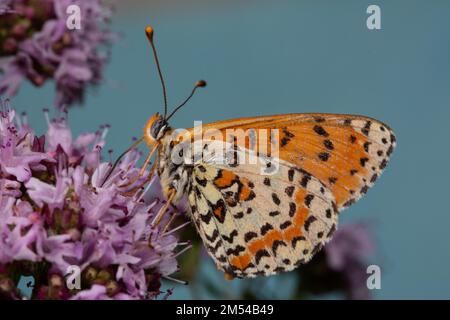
(163, 210)
(142, 170)
(175, 211)
(149, 177)
(172, 218)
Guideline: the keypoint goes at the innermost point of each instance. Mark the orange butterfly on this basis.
(268, 202)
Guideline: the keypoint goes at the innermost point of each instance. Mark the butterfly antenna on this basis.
(149, 32)
(198, 84)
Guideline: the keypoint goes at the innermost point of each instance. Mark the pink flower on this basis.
(58, 208)
(346, 254)
(37, 46)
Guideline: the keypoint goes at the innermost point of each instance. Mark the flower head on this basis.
(36, 44)
(61, 206)
(346, 255)
(341, 265)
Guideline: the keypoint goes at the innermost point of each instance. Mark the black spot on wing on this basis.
(349, 203)
(319, 119)
(297, 239)
(288, 133)
(266, 228)
(274, 213)
(206, 218)
(366, 128)
(332, 180)
(201, 182)
(219, 210)
(275, 199)
(292, 208)
(305, 180)
(363, 161)
(289, 191)
(374, 178)
(284, 141)
(332, 230)
(260, 254)
(308, 199)
(222, 259)
(308, 222)
(249, 236)
(324, 156)
(216, 247)
(213, 236)
(230, 238)
(320, 131)
(236, 251)
(285, 224)
(390, 150)
(238, 215)
(291, 173)
(276, 244)
(328, 144)
(364, 189)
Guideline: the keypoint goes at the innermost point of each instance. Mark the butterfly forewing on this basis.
(347, 153)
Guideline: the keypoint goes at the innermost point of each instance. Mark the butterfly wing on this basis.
(346, 153)
(254, 224)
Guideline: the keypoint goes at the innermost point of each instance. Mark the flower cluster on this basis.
(35, 44)
(341, 266)
(60, 206)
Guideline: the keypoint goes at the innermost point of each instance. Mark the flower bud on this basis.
(10, 46)
(90, 274)
(112, 288)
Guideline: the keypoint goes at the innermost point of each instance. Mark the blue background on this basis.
(268, 57)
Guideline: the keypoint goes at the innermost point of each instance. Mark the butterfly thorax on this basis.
(174, 175)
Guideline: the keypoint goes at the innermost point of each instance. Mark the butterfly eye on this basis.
(157, 129)
(154, 129)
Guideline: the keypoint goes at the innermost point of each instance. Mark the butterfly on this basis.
(265, 210)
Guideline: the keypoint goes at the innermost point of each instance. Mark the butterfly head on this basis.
(155, 129)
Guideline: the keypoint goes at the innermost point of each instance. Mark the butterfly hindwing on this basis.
(255, 224)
